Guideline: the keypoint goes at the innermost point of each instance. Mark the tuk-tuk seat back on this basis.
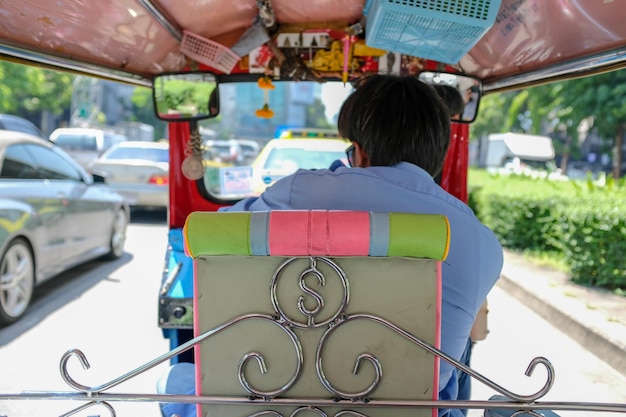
(316, 309)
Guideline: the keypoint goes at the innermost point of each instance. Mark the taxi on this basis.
(313, 149)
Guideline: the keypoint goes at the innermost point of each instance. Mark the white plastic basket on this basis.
(208, 52)
(442, 30)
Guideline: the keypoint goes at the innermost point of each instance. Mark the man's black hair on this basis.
(452, 97)
(395, 119)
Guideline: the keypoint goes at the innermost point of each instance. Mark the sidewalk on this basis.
(594, 318)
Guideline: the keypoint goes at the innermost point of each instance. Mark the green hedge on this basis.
(594, 242)
(578, 221)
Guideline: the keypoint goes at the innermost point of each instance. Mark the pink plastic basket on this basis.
(208, 52)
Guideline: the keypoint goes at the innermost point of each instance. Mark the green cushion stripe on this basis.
(224, 234)
(421, 236)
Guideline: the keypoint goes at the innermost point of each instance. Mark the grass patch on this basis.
(546, 259)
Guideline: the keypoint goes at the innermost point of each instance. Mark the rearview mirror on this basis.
(469, 87)
(185, 96)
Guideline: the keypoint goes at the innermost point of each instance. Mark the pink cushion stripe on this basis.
(196, 333)
(319, 233)
(437, 343)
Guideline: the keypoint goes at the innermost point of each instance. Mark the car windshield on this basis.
(149, 154)
(77, 142)
(294, 158)
(299, 112)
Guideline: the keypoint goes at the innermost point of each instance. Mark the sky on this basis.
(333, 94)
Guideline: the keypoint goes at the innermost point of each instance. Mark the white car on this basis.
(282, 157)
(85, 145)
(138, 170)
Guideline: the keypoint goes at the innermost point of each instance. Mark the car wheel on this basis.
(118, 235)
(17, 279)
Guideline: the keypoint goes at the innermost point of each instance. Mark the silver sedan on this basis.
(53, 216)
(139, 171)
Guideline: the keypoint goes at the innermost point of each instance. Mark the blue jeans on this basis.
(465, 381)
(178, 379)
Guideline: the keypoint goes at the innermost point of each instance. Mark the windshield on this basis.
(241, 150)
(149, 154)
(77, 142)
(295, 158)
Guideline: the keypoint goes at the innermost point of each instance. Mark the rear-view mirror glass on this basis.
(186, 96)
(469, 88)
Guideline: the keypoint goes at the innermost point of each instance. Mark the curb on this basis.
(597, 342)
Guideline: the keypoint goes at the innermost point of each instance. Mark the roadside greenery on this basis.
(27, 91)
(562, 110)
(579, 223)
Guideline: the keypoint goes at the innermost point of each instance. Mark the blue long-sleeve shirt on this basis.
(475, 256)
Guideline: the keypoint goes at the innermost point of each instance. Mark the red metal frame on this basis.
(185, 196)
(454, 174)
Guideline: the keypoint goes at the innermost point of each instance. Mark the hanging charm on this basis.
(265, 83)
(266, 12)
(193, 165)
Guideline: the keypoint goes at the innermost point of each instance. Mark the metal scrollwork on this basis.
(527, 413)
(184, 347)
(321, 281)
(310, 313)
(308, 408)
(106, 405)
(263, 369)
(427, 346)
(310, 305)
(266, 413)
(349, 412)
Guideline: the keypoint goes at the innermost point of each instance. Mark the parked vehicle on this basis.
(85, 145)
(249, 149)
(229, 150)
(53, 216)
(19, 124)
(518, 153)
(137, 170)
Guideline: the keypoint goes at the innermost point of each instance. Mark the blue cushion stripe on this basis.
(379, 234)
(259, 233)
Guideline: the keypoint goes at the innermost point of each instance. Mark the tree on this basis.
(491, 116)
(561, 107)
(316, 116)
(602, 99)
(143, 110)
(27, 90)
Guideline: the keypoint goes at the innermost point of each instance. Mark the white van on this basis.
(519, 153)
(85, 145)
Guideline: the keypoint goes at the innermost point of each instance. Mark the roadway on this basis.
(109, 311)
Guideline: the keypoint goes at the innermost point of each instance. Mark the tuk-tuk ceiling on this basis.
(134, 39)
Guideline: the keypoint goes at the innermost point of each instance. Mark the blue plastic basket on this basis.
(442, 30)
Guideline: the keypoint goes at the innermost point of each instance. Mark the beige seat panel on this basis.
(400, 291)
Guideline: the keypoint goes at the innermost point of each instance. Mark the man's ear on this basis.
(360, 157)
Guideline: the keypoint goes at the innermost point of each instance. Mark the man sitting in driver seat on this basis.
(400, 129)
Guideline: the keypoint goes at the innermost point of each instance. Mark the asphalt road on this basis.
(108, 310)
(517, 335)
